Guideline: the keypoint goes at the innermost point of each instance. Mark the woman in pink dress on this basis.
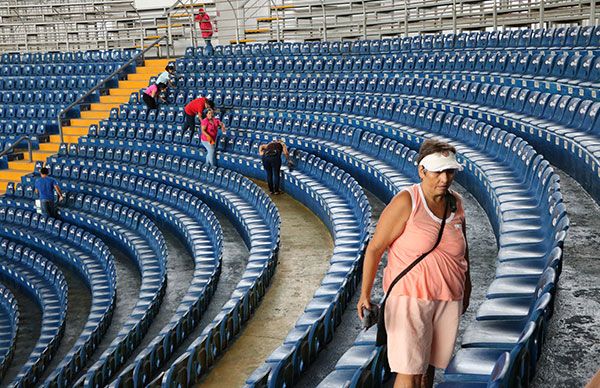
(423, 310)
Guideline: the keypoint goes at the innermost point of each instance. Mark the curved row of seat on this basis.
(9, 325)
(73, 247)
(262, 240)
(43, 282)
(46, 83)
(196, 224)
(76, 56)
(46, 111)
(588, 36)
(49, 97)
(570, 65)
(94, 69)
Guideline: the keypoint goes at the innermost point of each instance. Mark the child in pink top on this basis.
(210, 128)
(423, 309)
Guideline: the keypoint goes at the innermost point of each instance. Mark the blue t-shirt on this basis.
(45, 187)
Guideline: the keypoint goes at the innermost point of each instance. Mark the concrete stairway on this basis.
(79, 127)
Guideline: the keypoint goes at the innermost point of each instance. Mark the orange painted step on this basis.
(77, 131)
(104, 107)
(122, 92)
(140, 77)
(114, 99)
(68, 139)
(3, 184)
(133, 84)
(83, 122)
(41, 156)
(157, 62)
(23, 165)
(91, 114)
(50, 147)
(14, 175)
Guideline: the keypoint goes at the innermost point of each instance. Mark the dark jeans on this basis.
(50, 208)
(150, 102)
(190, 122)
(272, 165)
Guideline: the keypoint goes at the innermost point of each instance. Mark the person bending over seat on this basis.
(271, 160)
(195, 108)
(151, 94)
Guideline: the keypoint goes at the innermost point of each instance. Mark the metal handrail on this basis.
(26, 138)
(101, 83)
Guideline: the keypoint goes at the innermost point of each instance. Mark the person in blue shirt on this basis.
(44, 188)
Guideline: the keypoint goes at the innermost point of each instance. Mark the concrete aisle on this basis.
(306, 247)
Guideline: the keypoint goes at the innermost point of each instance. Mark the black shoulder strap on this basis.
(420, 258)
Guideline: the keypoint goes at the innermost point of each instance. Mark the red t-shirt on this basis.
(195, 106)
(212, 127)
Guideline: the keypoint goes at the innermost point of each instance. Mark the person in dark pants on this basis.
(44, 188)
(151, 94)
(271, 160)
(195, 108)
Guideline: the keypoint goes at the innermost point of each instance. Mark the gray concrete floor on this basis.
(30, 316)
(235, 258)
(571, 354)
(482, 246)
(78, 309)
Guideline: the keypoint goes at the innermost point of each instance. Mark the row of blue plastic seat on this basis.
(80, 250)
(378, 147)
(92, 69)
(520, 38)
(9, 324)
(53, 57)
(9, 130)
(62, 172)
(25, 269)
(42, 97)
(24, 112)
(45, 83)
(570, 65)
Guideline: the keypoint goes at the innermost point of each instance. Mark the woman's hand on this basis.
(363, 302)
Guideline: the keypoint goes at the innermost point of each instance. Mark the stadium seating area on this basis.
(354, 115)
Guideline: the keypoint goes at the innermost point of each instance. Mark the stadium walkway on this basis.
(306, 247)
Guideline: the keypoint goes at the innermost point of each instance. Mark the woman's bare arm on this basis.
(389, 227)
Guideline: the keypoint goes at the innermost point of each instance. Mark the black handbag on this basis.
(377, 312)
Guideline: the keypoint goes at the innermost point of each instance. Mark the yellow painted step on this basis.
(104, 107)
(157, 62)
(126, 92)
(133, 84)
(14, 175)
(83, 122)
(275, 7)
(140, 77)
(50, 147)
(92, 114)
(150, 70)
(77, 131)
(68, 139)
(114, 99)
(257, 30)
(41, 156)
(22, 165)
(174, 25)
(152, 37)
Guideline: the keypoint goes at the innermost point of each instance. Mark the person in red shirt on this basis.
(206, 28)
(210, 129)
(195, 108)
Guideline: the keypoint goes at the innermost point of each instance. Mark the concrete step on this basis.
(68, 138)
(50, 147)
(83, 122)
(92, 114)
(114, 99)
(77, 131)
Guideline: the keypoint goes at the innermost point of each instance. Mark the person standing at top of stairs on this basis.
(206, 28)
